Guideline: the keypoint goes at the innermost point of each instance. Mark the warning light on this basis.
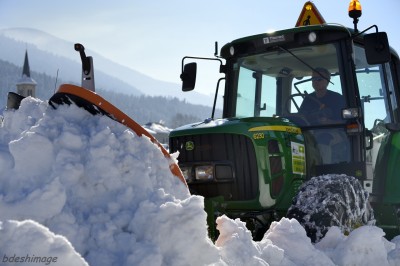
(355, 12)
(309, 16)
(355, 9)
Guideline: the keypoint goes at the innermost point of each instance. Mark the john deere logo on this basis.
(189, 145)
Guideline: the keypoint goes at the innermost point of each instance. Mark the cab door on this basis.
(378, 104)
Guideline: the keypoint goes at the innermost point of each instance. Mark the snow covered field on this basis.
(78, 189)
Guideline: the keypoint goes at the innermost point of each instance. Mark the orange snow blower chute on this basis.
(96, 104)
(86, 97)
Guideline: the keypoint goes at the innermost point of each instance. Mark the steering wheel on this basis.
(296, 118)
(304, 95)
(311, 115)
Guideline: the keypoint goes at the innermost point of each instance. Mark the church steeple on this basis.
(26, 86)
(26, 71)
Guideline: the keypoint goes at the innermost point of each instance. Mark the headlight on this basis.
(187, 173)
(350, 113)
(204, 172)
(209, 172)
(224, 172)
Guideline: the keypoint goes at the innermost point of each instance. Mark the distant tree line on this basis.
(172, 111)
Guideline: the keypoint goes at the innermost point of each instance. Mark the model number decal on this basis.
(258, 135)
(289, 129)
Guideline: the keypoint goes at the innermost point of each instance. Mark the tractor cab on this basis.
(277, 75)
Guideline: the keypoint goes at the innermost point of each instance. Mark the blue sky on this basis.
(153, 36)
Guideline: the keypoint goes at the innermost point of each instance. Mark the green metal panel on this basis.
(261, 131)
(392, 189)
(387, 218)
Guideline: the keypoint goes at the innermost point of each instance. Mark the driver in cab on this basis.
(323, 106)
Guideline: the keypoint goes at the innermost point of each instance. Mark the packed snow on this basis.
(78, 189)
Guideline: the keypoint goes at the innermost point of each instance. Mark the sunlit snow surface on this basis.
(85, 190)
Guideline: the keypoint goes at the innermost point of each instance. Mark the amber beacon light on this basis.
(355, 12)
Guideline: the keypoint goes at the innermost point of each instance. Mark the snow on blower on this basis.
(86, 97)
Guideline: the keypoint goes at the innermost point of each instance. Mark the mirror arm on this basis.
(201, 58)
(359, 33)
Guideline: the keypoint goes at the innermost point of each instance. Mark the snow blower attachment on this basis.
(87, 68)
(86, 98)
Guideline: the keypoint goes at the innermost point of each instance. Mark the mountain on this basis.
(171, 111)
(51, 55)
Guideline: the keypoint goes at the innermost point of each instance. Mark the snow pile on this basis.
(285, 243)
(22, 242)
(109, 192)
(373, 249)
(80, 189)
(157, 128)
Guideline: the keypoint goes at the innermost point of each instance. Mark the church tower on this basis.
(26, 86)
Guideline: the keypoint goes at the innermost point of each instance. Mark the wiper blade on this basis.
(305, 63)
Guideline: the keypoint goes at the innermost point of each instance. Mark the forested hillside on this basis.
(172, 111)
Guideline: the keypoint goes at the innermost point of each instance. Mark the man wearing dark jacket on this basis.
(322, 106)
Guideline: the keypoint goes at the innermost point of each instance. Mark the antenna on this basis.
(87, 68)
(216, 49)
(55, 84)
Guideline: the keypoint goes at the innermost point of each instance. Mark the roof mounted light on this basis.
(355, 12)
(312, 37)
(232, 50)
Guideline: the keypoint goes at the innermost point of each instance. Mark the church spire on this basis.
(26, 71)
(26, 86)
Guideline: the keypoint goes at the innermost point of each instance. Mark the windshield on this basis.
(286, 83)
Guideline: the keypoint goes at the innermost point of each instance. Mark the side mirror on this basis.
(188, 76)
(377, 48)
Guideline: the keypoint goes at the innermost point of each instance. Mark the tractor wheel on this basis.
(331, 200)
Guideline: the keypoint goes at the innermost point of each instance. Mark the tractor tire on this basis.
(331, 200)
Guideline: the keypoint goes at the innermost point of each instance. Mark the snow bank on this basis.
(28, 242)
(108, 191)
(84, 189)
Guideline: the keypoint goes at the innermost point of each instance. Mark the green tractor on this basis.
(268, 157)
